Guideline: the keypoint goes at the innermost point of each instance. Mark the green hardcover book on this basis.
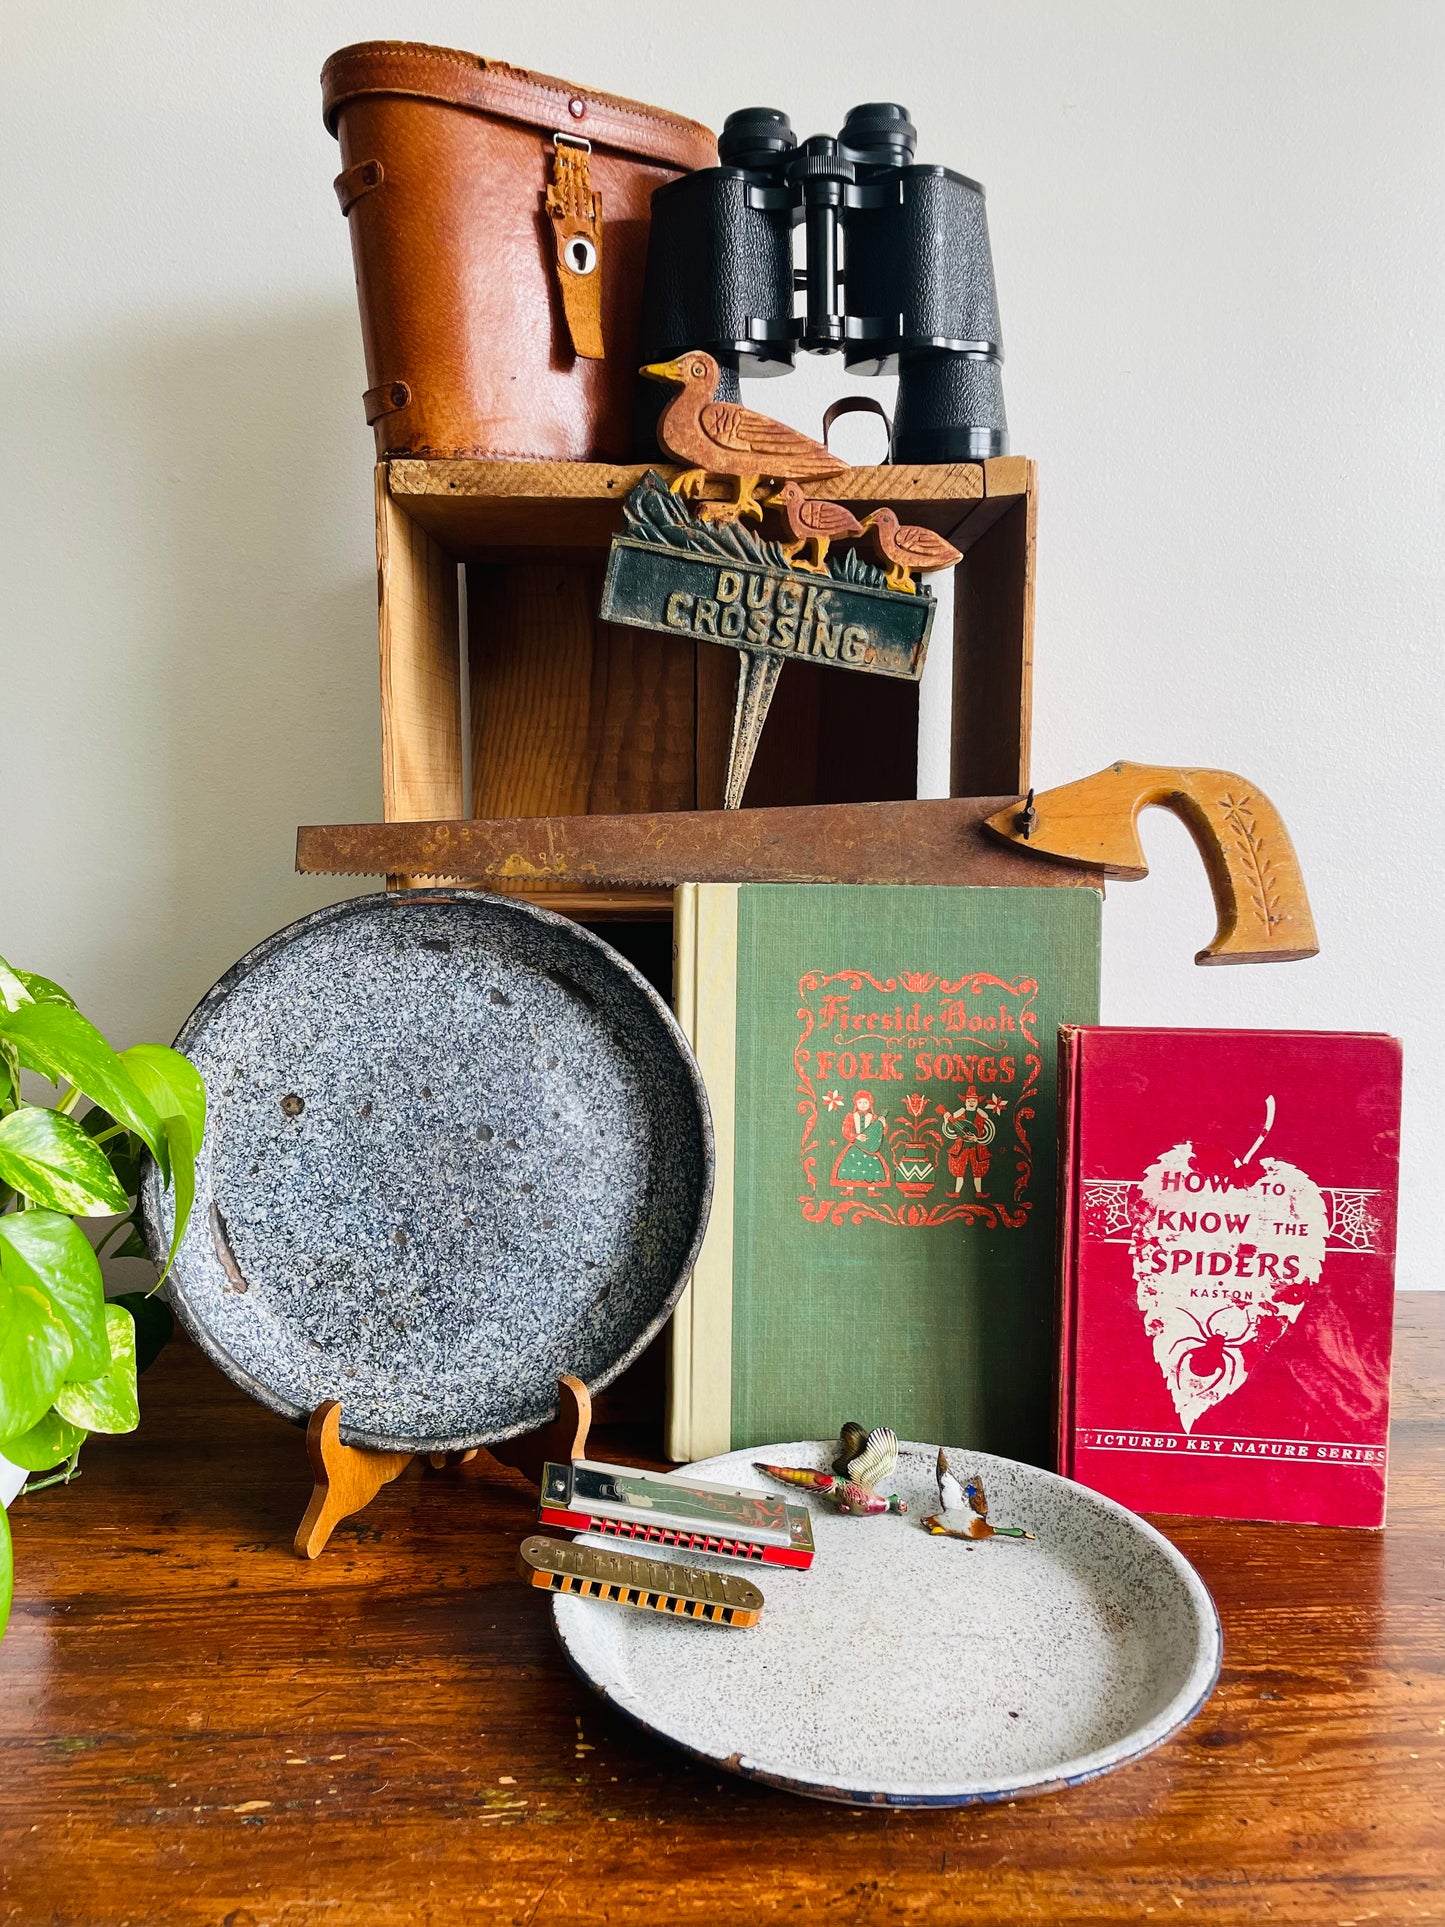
(881, 1065)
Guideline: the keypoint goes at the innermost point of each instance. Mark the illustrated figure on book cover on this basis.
(968, 1145)
(861, 1161)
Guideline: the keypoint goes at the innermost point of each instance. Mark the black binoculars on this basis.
(899, 275)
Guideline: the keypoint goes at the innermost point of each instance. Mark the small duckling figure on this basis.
(902, 548)
(811, 523)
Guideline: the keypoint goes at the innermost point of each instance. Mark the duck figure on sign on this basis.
(903, 548)
(811, 523)
(862, 1461)
(723, 438)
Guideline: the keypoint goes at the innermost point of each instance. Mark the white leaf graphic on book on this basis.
(1224, 1252)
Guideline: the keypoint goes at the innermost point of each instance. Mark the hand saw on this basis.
(939, 841)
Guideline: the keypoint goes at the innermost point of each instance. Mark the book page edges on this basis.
(699, 1388)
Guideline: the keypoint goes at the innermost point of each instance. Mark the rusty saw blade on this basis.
(935, 841)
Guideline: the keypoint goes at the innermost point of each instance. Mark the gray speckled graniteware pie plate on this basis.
(905, 1670)
(455, 1147)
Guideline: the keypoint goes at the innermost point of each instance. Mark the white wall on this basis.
(1220, 247)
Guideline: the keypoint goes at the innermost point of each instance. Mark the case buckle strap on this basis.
(576, 214)
(384, 399)
(356, 181)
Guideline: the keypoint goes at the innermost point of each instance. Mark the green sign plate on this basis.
(767, 611)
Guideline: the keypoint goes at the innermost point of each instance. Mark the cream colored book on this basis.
(705, 971)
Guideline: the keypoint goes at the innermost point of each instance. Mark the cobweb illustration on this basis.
(1352, 1219)
(1107, 1207)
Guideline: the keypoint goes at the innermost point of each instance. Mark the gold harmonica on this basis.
(656, 1585)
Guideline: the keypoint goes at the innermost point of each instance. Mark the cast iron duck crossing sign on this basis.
(721, 583)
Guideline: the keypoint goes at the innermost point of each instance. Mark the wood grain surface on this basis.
(473, 506)
(421, 753)
(198, 1727)
(993, 597)
(1259, 891)
(571, 715)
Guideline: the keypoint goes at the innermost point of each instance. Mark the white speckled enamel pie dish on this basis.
(906, 1669)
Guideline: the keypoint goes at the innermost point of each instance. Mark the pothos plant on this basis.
(67, 1357)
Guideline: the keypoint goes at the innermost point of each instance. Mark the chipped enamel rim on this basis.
(1178, 1711)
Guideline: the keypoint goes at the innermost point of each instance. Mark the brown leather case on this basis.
(467, 212)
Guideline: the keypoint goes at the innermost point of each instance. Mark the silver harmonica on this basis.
(652, 1508)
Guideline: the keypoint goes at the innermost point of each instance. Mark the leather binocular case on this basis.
(499, 225)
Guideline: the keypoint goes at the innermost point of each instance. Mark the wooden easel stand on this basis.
(348, 1477)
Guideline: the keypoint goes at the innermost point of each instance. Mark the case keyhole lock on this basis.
(580, 254)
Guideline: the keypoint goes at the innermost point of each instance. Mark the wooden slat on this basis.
(571, 716)
(993, 651)
(1007, 479)
(421, 727)
(717, 688)
(475, 506)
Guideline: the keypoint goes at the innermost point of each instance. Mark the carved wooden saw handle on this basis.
(1259, 893)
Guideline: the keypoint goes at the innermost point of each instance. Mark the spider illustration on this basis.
(1214, 1358)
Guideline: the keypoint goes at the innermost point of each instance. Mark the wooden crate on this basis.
(541, 709)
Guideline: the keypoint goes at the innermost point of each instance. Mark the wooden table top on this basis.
(197, 1727)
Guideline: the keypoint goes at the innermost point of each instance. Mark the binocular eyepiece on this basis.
(899, 275)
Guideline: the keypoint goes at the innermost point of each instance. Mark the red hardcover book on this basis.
(1228, 1246)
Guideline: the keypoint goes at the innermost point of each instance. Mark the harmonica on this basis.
(652, 1509)
(656, 1585)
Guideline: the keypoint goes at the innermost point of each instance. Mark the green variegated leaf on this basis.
(50, 1253)
(57, 1041)
(54, 1438)
(107, 1403)
(43, 990)
(48, 1158)
(35, 1353)
(12, 988)
(171, 1082)
(154, 1324)
(183, 1177)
